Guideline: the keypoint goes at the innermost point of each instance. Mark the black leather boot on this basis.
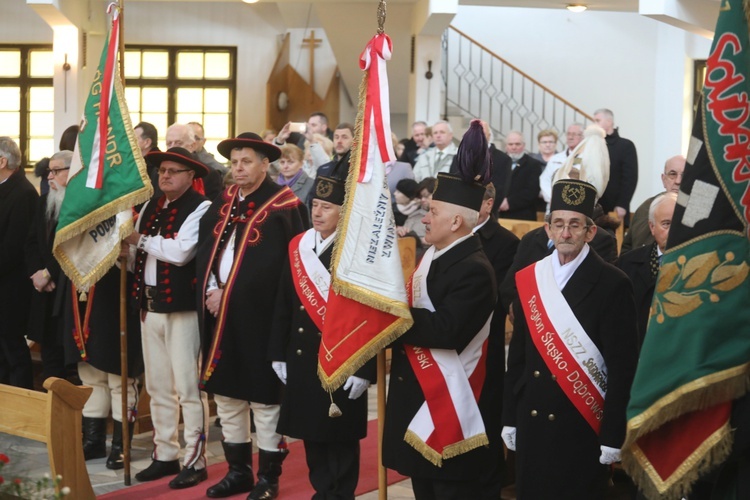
(115, 460)
(239, 478)
(94, 438)
(269, 470)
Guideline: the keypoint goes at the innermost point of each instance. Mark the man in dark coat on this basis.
(147, 138)
(569, 401)
(413, 146)
(499, 246)
(18, 200)
(642, 264)
(438, 364)
(623, 168)
(331, 443)
(244, 240)
(164, 241)
(519, 190)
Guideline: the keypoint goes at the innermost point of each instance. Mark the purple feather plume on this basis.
(473, 158)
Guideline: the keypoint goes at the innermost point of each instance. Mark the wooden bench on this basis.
(53, 418)
(520, 227)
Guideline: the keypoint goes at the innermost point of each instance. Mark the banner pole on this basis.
(382, 472)
(123, 300)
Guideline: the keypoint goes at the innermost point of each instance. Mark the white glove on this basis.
(280, 368)
(609, 455)
(509, 437)
(358, 386)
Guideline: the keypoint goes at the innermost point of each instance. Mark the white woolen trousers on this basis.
(171, 353)
(235, 422)
(107, 393)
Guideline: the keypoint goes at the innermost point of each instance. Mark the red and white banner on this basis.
(367, 307)
(563, 344)
(449, 422)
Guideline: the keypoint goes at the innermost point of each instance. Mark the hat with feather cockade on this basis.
(466, 187)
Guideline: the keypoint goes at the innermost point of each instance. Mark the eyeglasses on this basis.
(55, 171)
(172, 171)
(574, 227)
(673, 175)
(547, 142)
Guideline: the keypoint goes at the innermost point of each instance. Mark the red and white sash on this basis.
(563, 344)
(311, 278)
(448, 423)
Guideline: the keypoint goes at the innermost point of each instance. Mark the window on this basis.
(164, 85)
(27, 99)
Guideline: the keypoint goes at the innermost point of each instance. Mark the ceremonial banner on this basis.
(694, 360)
(107, 177)
(367, 305)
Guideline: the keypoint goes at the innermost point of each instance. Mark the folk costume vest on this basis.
(448, 423)
(175, 288)
(567, 350)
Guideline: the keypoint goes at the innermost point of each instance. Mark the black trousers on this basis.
(435, 489)
(334, 469)
(15, 359)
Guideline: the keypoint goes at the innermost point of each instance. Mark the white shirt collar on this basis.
(479, 226)
(438, 253)
(562, 272)
(321, 245)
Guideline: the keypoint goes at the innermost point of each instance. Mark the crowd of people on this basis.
(225, 257)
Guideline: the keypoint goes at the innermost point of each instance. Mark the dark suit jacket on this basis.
(623, 173)
(533, 247)
(499, 246)
(410, 152)
(18, 202)
(637, 265)
(461, 286)
(523, 190)
(554, 442)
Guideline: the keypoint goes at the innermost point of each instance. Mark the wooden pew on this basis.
(520, 227)
(407, 249)
(53, 418)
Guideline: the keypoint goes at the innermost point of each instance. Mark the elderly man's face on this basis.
(672, 176)
(573, 136)
(440, 224)
(662, 222)
(417, 133)
(58, 174)
(144, 143)
(441, 135)
(200, 136)
(180, 137)
(569, 232)
(174, 178)
(514, 144)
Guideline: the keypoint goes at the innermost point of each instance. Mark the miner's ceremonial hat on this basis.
(574, 195)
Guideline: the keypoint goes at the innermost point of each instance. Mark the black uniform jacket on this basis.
(236, 360)
(637, 265)
(47, 306)
(522, 189)
(461, 285)
(304, 407)
(533, 247)
(18, 201)
(554, 443)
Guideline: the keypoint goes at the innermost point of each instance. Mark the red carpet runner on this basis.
(294, 482)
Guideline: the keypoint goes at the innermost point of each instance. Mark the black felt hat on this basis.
(181, 156)
(574, 195)
(329, 189)
(451, 188)
(249, 140)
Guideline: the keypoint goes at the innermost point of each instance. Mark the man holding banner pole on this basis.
(434, 431)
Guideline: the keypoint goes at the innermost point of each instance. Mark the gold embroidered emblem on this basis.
(573, 195)
(324, 189)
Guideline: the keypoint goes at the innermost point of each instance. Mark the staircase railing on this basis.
(481, 84)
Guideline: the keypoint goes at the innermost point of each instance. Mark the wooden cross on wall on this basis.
(312, 43)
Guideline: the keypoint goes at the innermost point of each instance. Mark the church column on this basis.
(430, 19)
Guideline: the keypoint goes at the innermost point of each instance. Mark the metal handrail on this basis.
(481, 84)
